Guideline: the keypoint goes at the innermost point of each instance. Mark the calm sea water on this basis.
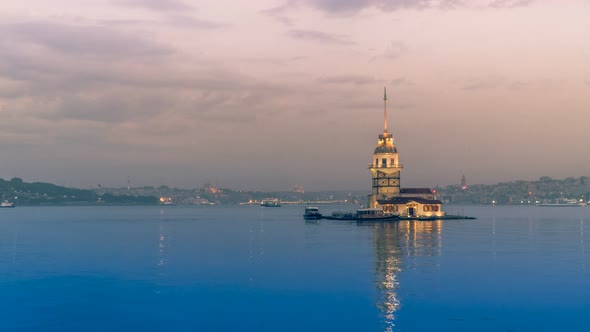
(249, 268)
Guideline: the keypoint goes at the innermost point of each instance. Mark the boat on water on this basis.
(344, 215)
(371, 214)
(6, 204)
(271, 202)
(374, 214)
(312, 213)
(564, 203)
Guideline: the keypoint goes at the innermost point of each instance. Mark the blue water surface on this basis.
(248, 268)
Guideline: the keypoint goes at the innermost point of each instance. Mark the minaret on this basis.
(385, 167)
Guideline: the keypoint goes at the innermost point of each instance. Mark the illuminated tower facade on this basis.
(385, 167)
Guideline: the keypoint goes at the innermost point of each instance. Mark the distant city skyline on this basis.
(266, 95)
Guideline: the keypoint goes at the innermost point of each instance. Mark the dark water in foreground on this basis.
(265, 269)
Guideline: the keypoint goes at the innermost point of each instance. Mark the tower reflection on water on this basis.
(395, 245)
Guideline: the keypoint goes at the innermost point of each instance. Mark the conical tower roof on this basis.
(385, 143)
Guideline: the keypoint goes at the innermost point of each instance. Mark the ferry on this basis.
(271, 202)
(312, 213)
(344, 215)
(374, 214)
(564, 203)
(6, 204)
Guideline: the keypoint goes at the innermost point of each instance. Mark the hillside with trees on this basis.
(40, 193)
(544, 190)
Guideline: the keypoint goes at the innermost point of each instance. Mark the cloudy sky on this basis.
(267, 94)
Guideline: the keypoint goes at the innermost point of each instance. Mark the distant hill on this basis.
(544, 190)
(39, 193)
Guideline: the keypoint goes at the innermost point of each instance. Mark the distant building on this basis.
(210, 189)
(386, 191)
(298, 189)
(463, 182)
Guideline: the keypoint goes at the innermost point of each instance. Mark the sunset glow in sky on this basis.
(264, 95)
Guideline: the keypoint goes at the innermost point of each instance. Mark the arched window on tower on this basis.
(392, 161)
(384, 162)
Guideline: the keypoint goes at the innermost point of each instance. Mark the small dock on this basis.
(352, 216)
(445, 217)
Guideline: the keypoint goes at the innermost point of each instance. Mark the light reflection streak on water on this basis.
(161, 242)
(393, 242)
(582, 244)
(389, 286)
(388, 266)
(250, 253)
(255, 246)
(162, 248)
(14, 243)
(494, 252)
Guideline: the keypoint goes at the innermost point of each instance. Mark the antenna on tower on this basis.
(384, 109)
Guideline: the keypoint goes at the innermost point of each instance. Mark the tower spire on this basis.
(384, 109)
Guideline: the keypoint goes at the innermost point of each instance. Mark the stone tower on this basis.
(385, 167)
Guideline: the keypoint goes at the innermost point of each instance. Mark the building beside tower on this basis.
(386, 190)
